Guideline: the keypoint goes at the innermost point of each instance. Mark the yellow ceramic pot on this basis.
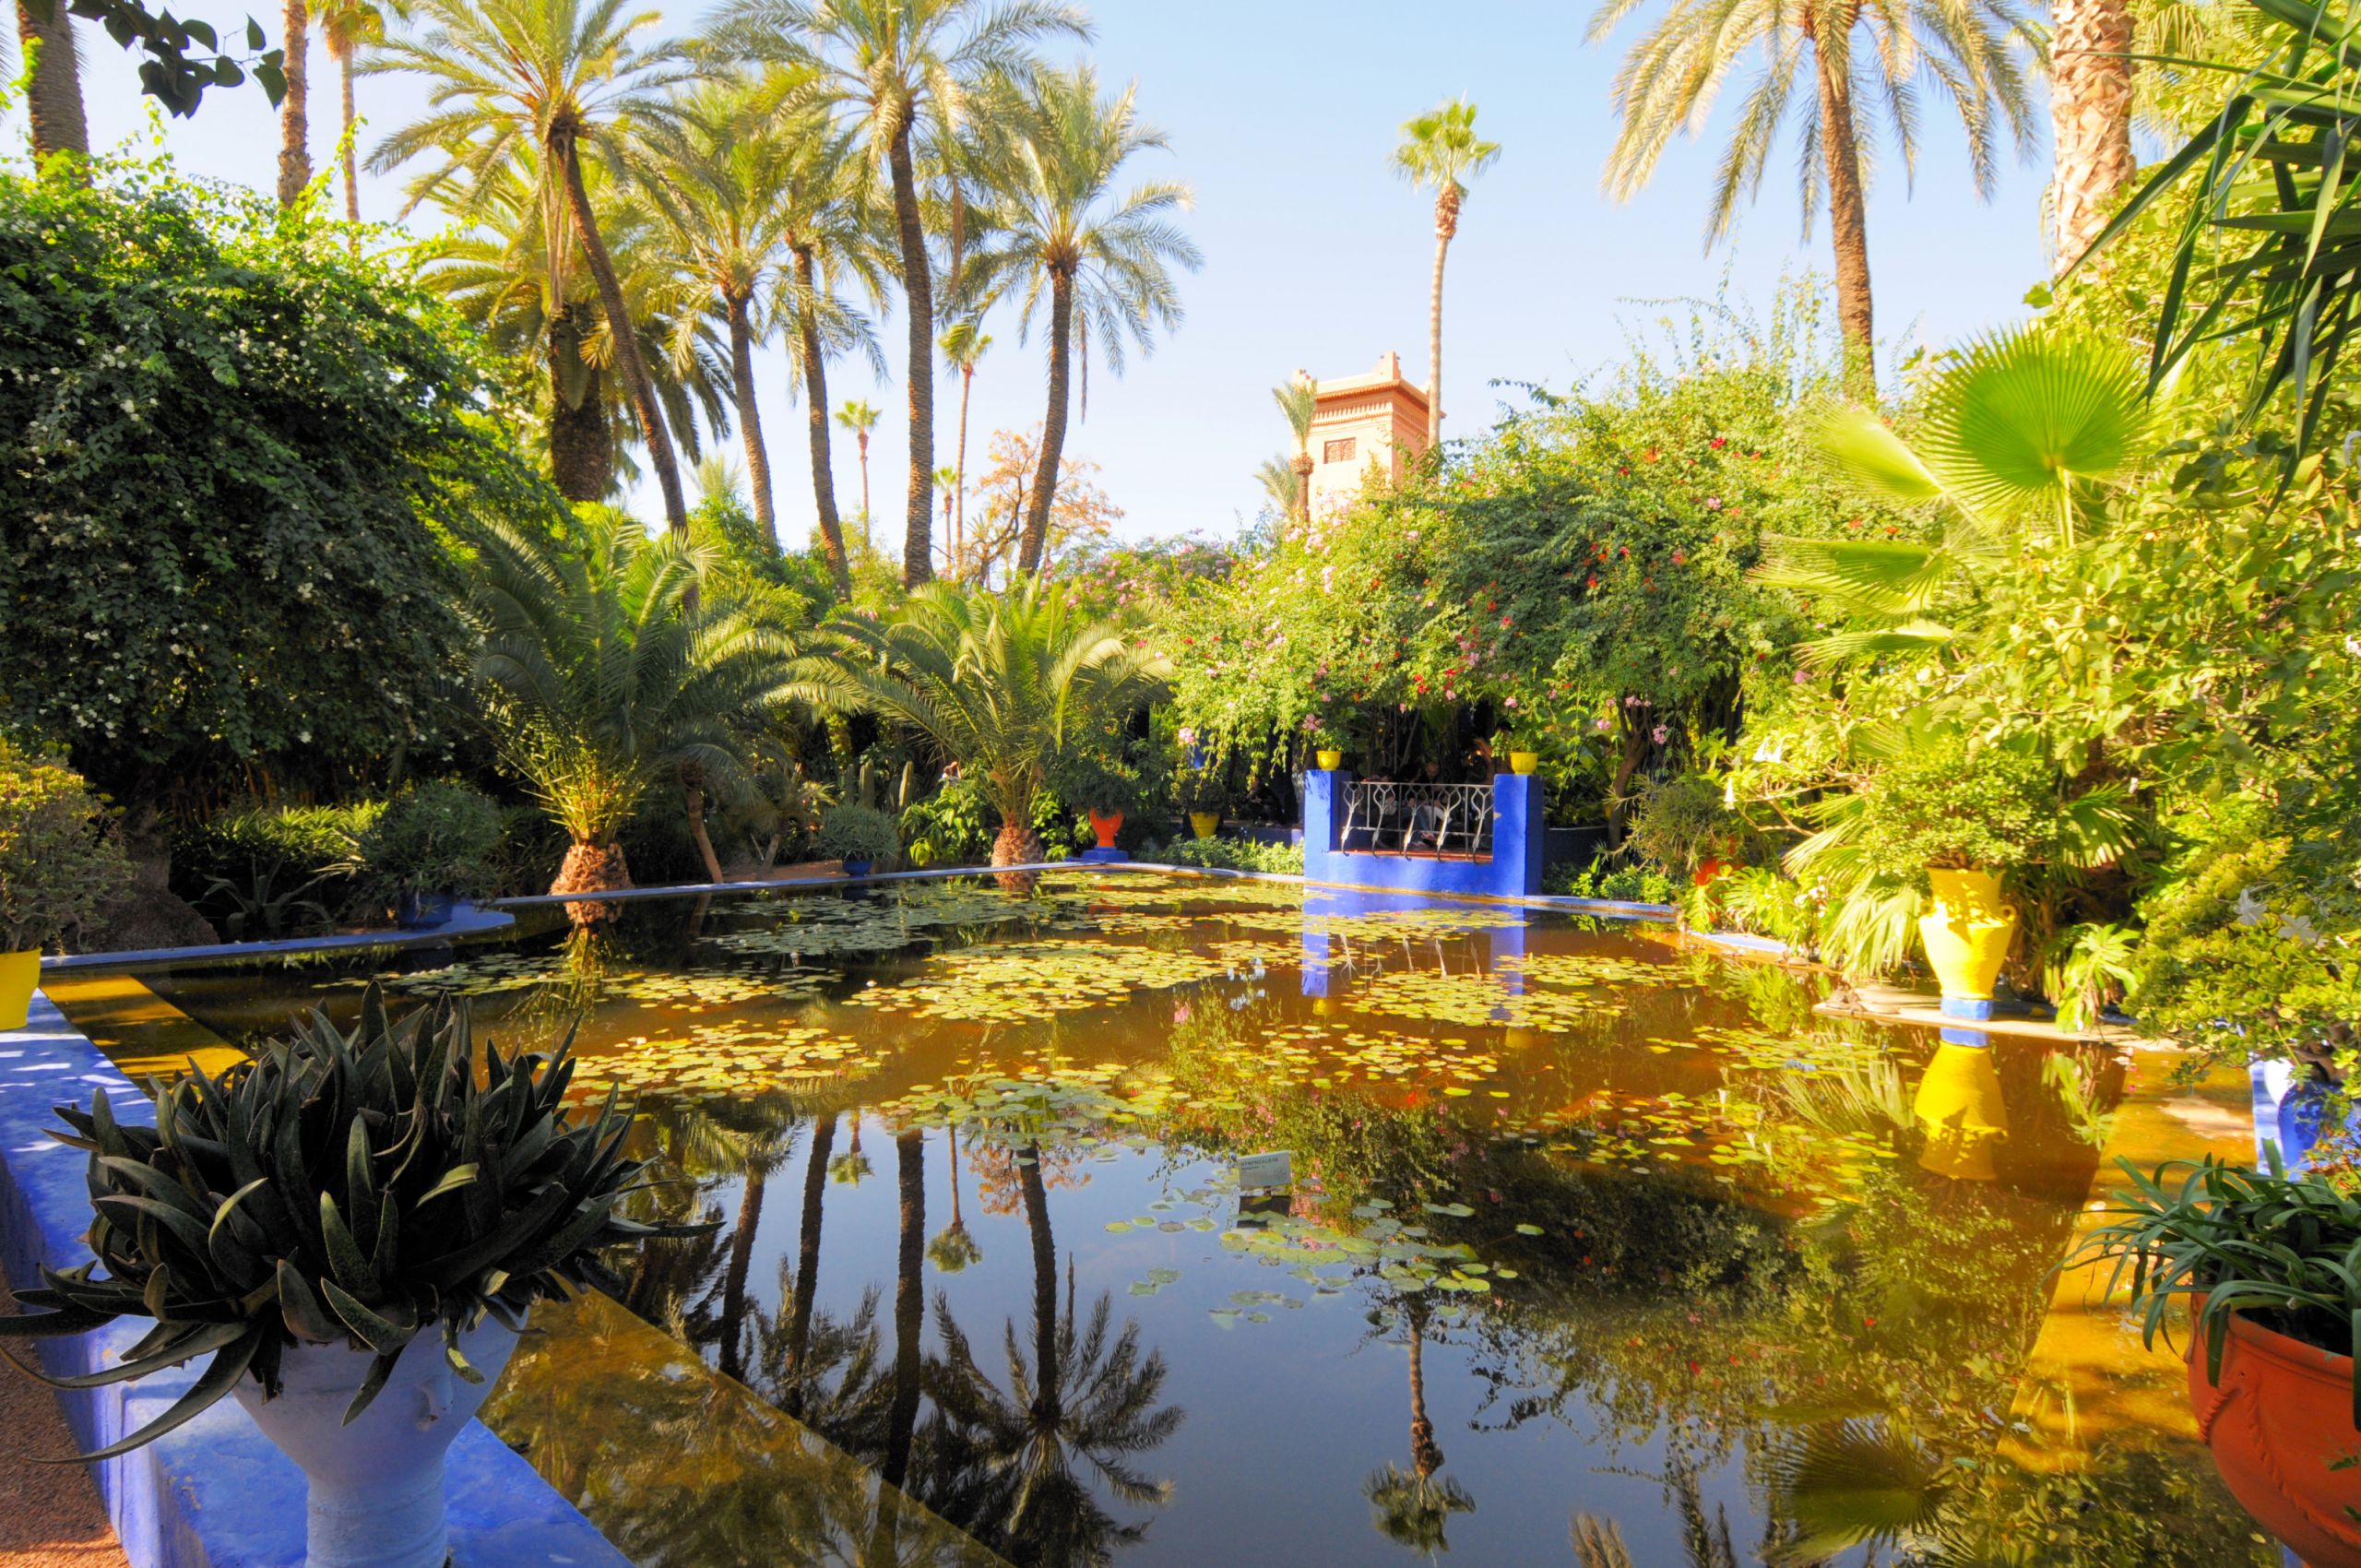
(1959, 1109)
(20, 972)
(1331, 759)
(1523, 762)
(1205, 823)
(1968, 932)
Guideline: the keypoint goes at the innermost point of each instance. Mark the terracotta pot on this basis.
(1204, 824)
(1106, 824)
(1968, 932)
(19, 973)
(2281, 1415)
(1331, 759)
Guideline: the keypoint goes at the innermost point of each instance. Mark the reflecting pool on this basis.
(1588, 1249)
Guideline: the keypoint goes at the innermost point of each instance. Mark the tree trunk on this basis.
(910, 1307)
(815, 420)
(1303, 467)
(345, 142)
(750, 419)
(693, 784)
(1637, 741)
(294, 128)
(1016, 845)
(581, 450)
(592, 868)
(563, 147)
(959, 515)
(1053, 426)
(1047, 1394)
(53, 100)
(1446, 225)
(918, 300)
(1426, 1453)
(1848, 220)
(2090, 108)
(807, 1264)
(742, 1257)
(862, 436)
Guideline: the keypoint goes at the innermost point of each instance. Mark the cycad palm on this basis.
(1674, 73)
(1104, 258)
(1001, 682)
(603, 680)
(894, 64)
(1441, 149)
(552, 74)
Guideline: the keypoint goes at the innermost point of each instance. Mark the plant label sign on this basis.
(1266, 1170)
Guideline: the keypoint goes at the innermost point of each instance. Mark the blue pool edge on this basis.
(214, 1493)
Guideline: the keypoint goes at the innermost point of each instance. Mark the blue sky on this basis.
(1281, 116)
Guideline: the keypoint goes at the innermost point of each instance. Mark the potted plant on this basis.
(353, 1226)
(433, 847)
(1198, 790)
(861, 837)
(59, 863)
(2269, 1266)
(1106, 788)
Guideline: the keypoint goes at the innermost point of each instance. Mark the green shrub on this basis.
(952, 827)
(276, 871)
(59, 860)
(437, 837)
(1605, 879)
(1680, 823)
(857, 833)
(1238, 854)
(1945, 806)
(1758, 901)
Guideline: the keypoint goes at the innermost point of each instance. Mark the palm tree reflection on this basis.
(1413, 1508)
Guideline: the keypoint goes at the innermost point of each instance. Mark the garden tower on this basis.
(1374, 418)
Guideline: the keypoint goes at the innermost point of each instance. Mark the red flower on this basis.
(1718, 442)
(1680, 558)
(1594, 581)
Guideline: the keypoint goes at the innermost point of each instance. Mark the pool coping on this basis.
(214, 1493)
(467, 921)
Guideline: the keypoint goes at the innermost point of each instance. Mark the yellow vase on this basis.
(1958, 1107)
(1968, 932)
(1331, 759)
(1205, 823)
(20, 972)
(1523, 762)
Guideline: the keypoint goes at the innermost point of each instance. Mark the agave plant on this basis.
(357, 1188)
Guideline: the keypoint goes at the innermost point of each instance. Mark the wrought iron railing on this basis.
(1419, 819)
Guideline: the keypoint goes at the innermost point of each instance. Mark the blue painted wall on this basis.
(1514, 872)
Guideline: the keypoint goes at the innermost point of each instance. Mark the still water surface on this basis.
(1597, 1252)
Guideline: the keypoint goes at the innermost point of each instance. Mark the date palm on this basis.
(1298, 400)
(963, 344)
(888, 65)
(2090, 115)
(1831, 68)
(54, 97)
(1060, 228)
(553, 75)
(294, 119)
(1412, 1507)
(346, 27)
(1002, 684)
(861, 418)
(1441, 149)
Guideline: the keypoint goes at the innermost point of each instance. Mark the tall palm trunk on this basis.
(53, 101)
(1446, 225)
(294, 128)
(909, 1306)
(750, 419)
(960, 516)
(1849, 214)
(862, 436)
(2090, 107)
(807, 1266)
(918, 300)
(566, 149)
(693, 786)
(742, 1257)
(1426, 1453)
(815, 420)
(1048, 1395)
(582, 453)
(346, 150)
(1054, 427)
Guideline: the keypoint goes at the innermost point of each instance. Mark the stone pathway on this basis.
(49, 1514)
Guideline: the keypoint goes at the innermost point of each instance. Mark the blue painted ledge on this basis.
(466, 921)
(215, 1493)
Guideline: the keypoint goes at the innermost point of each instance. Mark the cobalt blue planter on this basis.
(859, 868)
(416, 911)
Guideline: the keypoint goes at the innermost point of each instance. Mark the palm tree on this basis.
(2090, 116)
(964, 343)
(1058, 222)
(909, 1305)
(894, 64)
(1441, 149)
(295, 126)
(1674, 73)
(715, 181)
(795, 1368)
(861, 419)
(54, 98)
(603, 680)
(955, 1248)
(552, 74)
(1002, 684)
(1298, 400)
(1281, 484)
(346, 27)
(1413, 1508)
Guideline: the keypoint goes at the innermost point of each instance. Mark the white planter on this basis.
(376, 1485)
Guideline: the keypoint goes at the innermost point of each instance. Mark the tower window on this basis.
(1338, 451)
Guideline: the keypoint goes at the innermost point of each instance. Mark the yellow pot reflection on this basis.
(1968, 932)
(20, 975)
(1959, 1109)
